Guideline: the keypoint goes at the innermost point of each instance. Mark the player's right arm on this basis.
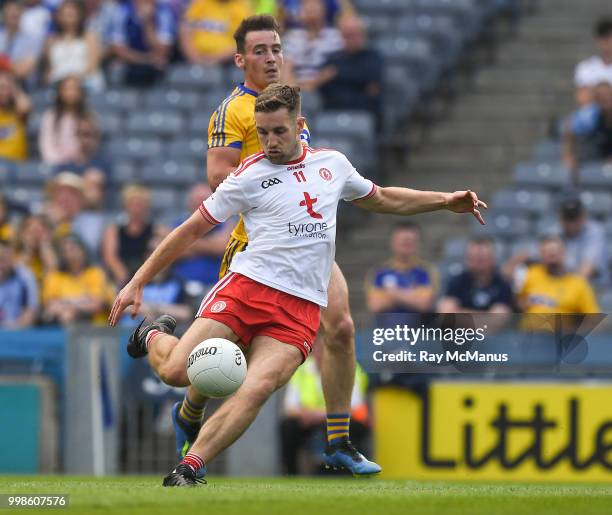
(220, 162)
(169, 250)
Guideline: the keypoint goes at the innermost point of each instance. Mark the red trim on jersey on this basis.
(207, 216)
(299, 159)
(321, 149)
(248, 162)
(372, 192)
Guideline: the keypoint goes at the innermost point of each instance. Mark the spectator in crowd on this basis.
(303, 425)
(72, 50)
(548, 287)
(584, 243)
(36, 22)
(352, 77)
(142, 38)
(22, 51)
(98, 20)
(289, 12)
(77, 291)
(207, 31)
(34, 247)
(125, 244)
(6, 229)
(307, 49)
(597, 68)
(15, 106)
(202, 260)
(591, 125)
(18, 291)
(406, 283)
(91, 156)
(165, 294)
(58, 139)
(66, 209)
(480, 288)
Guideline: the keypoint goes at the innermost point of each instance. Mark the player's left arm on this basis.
(405, 201)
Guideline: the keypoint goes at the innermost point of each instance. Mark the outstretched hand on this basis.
(466, 202)
(130, 295)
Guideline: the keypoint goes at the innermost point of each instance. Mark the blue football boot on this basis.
(343, 455)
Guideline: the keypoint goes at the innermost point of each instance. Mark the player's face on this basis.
(279, 135)
(263, 58)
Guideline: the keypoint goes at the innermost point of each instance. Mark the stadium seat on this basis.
(159, 122)
(552, 176)
(173, 173)
(454, 249)
(596, 175)
(198, 124)
(357, 124)
(135, 148)
(597, 203)
(311, 103)
(401, 95)
(465, 14)
(111, 121)
(503, 225)
(26, 196)
(608, 228)
(164, 199)
(390, 8)
(121, 99)
(125, 172)
(188, 148)
(198, 78)
(41, 99)
(378, 24)
(7, 170)
(172, 99)
(528, 244)
(547, 150)
(522, 201)
(32, 173)
(547, 225)
(447, 41)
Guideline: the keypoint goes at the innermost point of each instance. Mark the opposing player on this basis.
(271, 299)
(231, 138)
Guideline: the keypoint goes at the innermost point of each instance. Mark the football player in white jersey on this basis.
(271, 300)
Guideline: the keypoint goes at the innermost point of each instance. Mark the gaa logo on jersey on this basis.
(217, 307)
(325, 174)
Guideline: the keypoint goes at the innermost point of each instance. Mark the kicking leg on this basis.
(271, 365)
(338, 378)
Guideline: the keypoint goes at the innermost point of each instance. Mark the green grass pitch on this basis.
(296, 496)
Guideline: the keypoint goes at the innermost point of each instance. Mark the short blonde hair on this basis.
(135, 191)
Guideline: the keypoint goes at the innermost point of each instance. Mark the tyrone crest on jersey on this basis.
(325, 174)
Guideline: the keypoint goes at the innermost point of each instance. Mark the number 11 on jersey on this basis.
(299, 176)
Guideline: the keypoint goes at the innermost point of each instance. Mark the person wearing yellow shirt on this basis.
(549, 289)
(15, 107)
(78, 291)
(206, 34)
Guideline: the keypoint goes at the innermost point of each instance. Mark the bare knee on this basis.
(173, 374)
(340, 335)
(259, 391)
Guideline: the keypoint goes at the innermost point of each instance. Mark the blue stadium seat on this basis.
(350, 148)
(159, 122)
(111, 121)
(7, 171)
(379, 24)
(164, 199)
(547, 225)
(125, 172)
(26, 196)
(173, 173)
(188, 148)
(390, 8)
(504, 225)
(196, 78)
(32, 172)
(465, 14)
(135, 148)
(552, 176)
(172, 99)
(547, 150)
(311, 103)
(528, 244)
(597, 203)
(454, 249)
(597, 175)
(522, 201)
(447, 41)
(400, 98)
(198, 124)
(357, 124)
(121, 99)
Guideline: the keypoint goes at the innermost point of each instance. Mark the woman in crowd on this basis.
(125, 245)
(58, 137)
(78, 291)
(73, 50)
(34, 247)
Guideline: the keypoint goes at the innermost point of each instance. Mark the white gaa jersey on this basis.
(289, 214)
